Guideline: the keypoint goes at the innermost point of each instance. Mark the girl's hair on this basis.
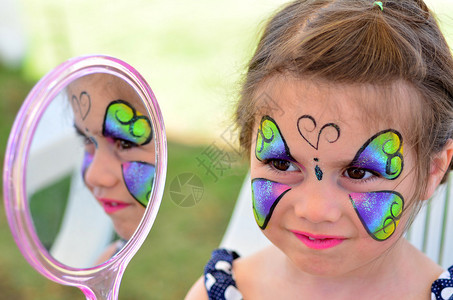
(357, 42)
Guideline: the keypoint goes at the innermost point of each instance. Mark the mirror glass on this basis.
(90, 170)
(84, 172)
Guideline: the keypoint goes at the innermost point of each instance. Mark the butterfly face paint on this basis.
(87, 160)
(380, 211)
(139, 178)
(382, 153)
(87, 157)
(269, 142)
(266, 194)
(124, 122)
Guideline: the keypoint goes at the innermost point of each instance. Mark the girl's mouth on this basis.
(111, 206)
(318, 242)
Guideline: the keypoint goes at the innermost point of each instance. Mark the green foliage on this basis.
(47, 207)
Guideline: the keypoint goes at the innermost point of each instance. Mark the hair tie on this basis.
(379, 3)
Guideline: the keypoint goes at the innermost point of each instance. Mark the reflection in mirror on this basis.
(91, 170)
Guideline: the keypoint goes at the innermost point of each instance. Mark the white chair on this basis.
(431, 232)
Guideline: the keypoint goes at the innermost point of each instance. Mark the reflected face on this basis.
(119, 160)
(328, 187)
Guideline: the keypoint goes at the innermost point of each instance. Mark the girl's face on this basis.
(329, 187)
(118, 166)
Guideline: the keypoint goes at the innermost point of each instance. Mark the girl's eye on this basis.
(125, 145)
(283, 165)
(87, 141)
(88, 144)
(357, 173)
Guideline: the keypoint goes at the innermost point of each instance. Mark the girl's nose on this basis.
(317, 203)
(101, 172)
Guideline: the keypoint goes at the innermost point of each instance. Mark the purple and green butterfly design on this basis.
(379, 211)
(122, 121)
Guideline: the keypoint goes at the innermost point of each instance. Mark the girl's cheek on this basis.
(265, 196)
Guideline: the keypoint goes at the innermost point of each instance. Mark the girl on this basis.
(358, 135)
(118, 165)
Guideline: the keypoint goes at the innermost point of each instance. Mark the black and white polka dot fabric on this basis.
(442, 288)
(218, 276)
(220, 283)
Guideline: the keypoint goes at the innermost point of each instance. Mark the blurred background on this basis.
(193, 54)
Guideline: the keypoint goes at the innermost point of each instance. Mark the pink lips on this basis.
(318, 242)
(111, 206)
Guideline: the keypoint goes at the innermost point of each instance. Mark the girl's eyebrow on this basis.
(79, 131)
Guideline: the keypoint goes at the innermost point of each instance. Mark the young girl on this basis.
(357, 137)
(118, 165)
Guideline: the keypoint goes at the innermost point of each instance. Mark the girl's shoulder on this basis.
(227, 276)
(442, 288)
(217, 282)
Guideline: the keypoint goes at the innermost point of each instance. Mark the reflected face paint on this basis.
(265, 196)
(87, 159)
(139, 177)
(380, 211)
(124, 122)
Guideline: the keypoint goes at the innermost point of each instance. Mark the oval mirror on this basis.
(84, 172)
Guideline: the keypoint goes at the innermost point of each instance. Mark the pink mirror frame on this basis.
(102, 281)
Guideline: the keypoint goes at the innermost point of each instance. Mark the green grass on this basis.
(47, 213)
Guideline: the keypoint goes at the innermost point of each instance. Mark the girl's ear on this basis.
(440, 165)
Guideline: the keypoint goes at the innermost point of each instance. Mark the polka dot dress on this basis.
(220, 284)
(442, 288)
(218, 276)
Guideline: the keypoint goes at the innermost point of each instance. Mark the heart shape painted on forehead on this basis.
(307, 125)
(82, 105)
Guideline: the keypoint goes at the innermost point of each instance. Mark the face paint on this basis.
(139, 177)
(124, 122)
(306, 125)
(270, 143)
(379, 212)
(93, 140)
(318, 171)
(82, 104)
(382, 153)
(87, 160)
(265, 196)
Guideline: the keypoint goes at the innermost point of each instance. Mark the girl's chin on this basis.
(125, 229)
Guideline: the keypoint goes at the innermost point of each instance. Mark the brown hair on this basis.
(354, 41)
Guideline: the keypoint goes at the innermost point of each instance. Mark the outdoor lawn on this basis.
(193, 55)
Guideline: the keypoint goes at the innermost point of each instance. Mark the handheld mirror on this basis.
(84, 172)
